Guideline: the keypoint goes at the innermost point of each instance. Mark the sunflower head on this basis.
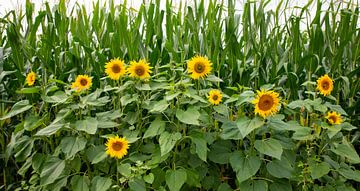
(325, 85)
(199, 67)
(334, 118)
(30, 78)
(117, 147)
(82, 82)
(215, 97)
(139, 69)
(115, 69)
(266, 103)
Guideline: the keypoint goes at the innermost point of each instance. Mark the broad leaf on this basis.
(190, 116)
(167, 141)
(271, 147)
(175, 179)
(52, 169)
(244, 166)
(17, 108)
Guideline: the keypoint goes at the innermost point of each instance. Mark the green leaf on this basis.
(50, 129)
(246, 126)
(23, 148)
(58, 184)
(220, 152)
(149, 178)
(125, 169)
(280, 168)
(254, 185)
(213, 78)
(200, 145)
(58, 97)
(31, 90)
(244, 166)
(71, 145)
(32, 122)
(190, 116)
(318, 169)
(281, 185)
(346, 150)
(350, 174)
(80, 183)
(88, 125)
(167, 141)
(156, 128)
(137, 185)
(230, 131)
(99, 183)
(175, 179)
(271, 147)
(52, 169)
(159, 106)
(17, 108)
(96, 154)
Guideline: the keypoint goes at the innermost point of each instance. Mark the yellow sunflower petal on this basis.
(266, 103)
(334, 118)
(325, 85)
(82, 82)
(139, 69)
(115, 69)
(117, 147)
(199, 67)
(215, 97)
(30, 78)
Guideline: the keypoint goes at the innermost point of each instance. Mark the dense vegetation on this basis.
(199, 97)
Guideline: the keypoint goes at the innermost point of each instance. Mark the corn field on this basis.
(190, 97)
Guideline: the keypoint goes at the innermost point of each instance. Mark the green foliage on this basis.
(54, 138)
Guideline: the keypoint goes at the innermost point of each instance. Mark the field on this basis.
(192, 97)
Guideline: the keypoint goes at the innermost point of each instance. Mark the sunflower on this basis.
(30, 78)
(199, 67)
(333, 118)
(266, 103)
(117, 147)
(115, 69)
(325, 85)
(139, 69)
(215, 97)
(82, 82)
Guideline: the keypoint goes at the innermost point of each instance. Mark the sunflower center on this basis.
(332, 119)
(199, 67)
(215, 97)
(139, 70)
(117, 146)
(83, 82)
(266, 102)
(116, 68)
(325, 85)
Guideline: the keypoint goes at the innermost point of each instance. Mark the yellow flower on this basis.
(266, 103)
(115, 69)
(117, 147)
(215, 97)
(139, 69)
(334, 118)
(199, 67)
(325, 85)
(30, 78)
(82, 82)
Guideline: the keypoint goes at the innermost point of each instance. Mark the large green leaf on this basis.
(244, 166)
(88, 125)
(99, 183)
(137, 184)
(190, 116)
(254, 185)
(347, 151)
(280, 168)
(318, 169)
(246, 125)
(159, 106)
(271, 147)
(350, 174)
(96, 154)
(71, 145)
(80, 183)
(200, 145)
(167, 141)
(50, 129)
(52, 169)
(156, 127)
(175, 179)
(23, 148)
(17, 108)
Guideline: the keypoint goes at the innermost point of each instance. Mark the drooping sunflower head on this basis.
(82, 82)
(30, 78)
(139, 69)
(199, 67)
(325, 85)
(266, 103)
(215, 97)
(115, 69)
(117, 147)
(334, 118)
